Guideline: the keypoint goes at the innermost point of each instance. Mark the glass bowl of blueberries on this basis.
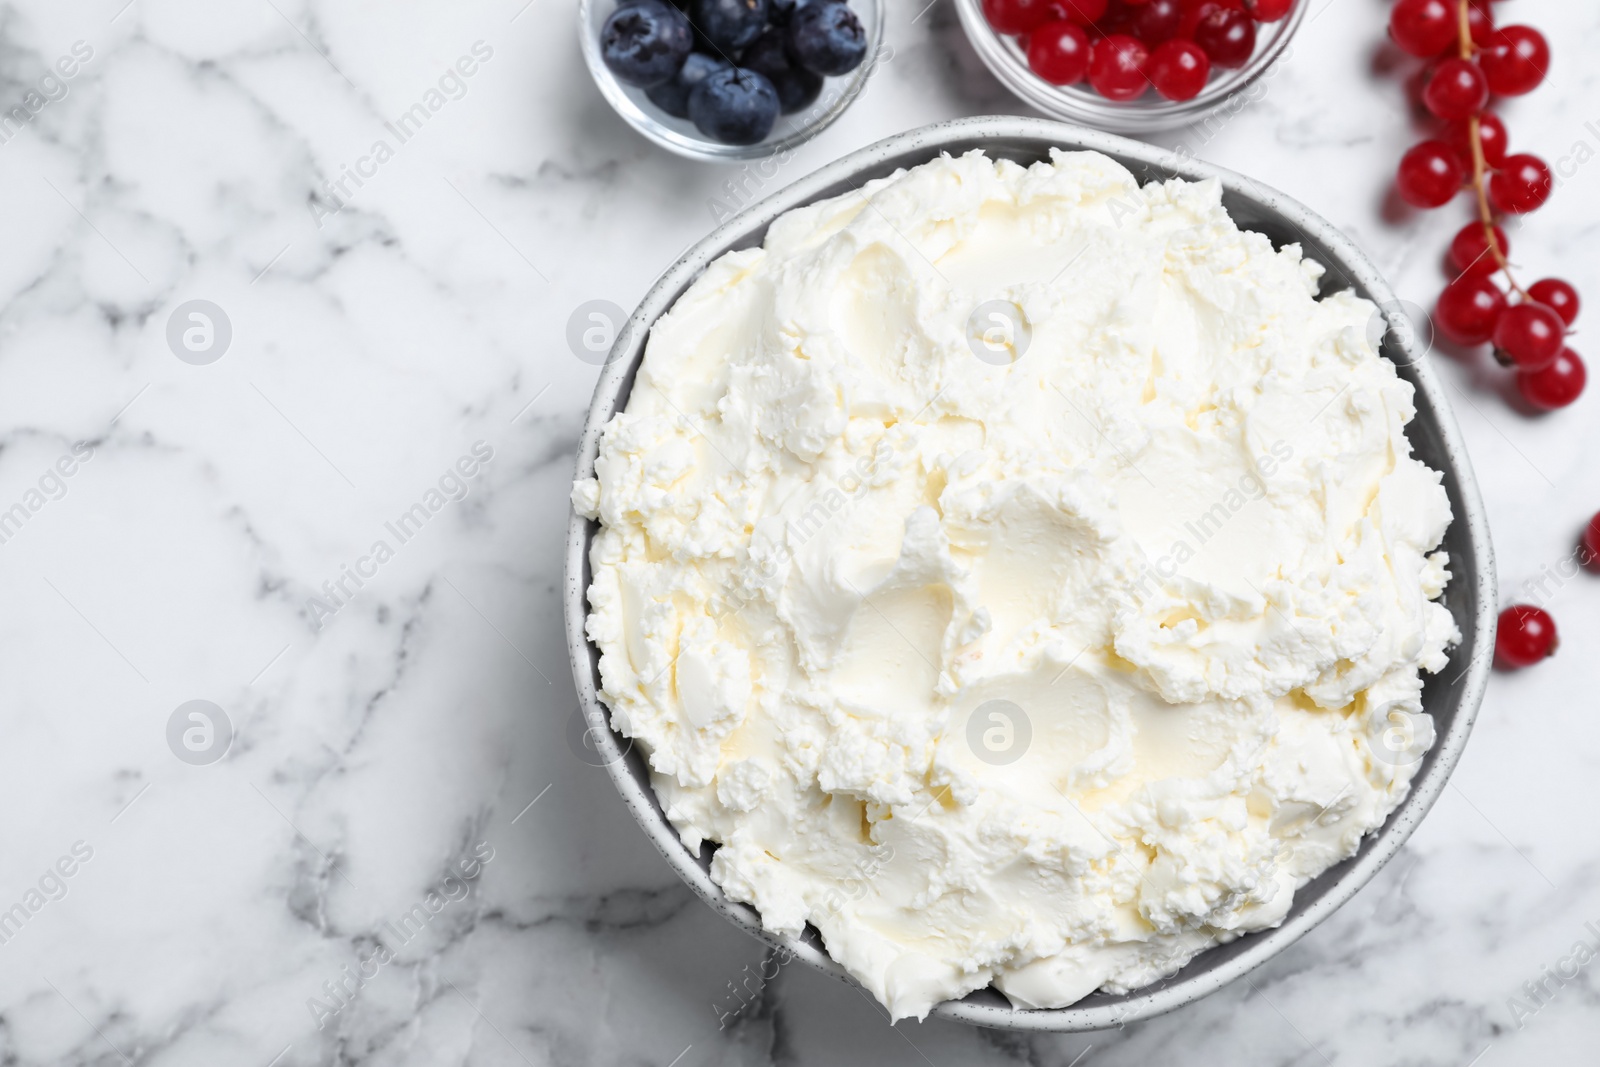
(730, 80)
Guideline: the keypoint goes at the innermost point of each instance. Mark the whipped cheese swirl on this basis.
(1047, 671)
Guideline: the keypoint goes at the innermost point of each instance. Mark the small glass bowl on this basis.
(680, 136)
(1148, 114)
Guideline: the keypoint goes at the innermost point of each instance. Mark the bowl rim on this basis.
(1008, 64)
(837, 96)
(1477, 573)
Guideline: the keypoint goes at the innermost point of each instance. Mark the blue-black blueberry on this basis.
(734, 106)
(645, 42)
(827, 37)
(729, 25)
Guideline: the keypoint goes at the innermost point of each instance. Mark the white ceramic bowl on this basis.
(1452, 697)
(1150, 113)
(680, 136)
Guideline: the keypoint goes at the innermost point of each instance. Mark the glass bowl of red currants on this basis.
(776, 72)
(1131, 66)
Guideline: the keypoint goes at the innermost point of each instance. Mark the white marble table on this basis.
(390, 735)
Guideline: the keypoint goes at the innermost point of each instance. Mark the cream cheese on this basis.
(1019, 575)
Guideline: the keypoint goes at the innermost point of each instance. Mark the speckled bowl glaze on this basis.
(1452, 697)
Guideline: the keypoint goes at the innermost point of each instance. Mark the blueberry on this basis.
(645, 42)
(729, 25)
(672, 95)
(782, 10)
(734, 106)
(825, 36)
(797, 87)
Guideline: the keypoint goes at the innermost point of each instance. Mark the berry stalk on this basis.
(1480, 166)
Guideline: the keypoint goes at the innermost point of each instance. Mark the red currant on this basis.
(1470, 250)
(1083, 12)
(1491, 137)
(1468, 309)
(1017, 16)
(1558, 296)
(1529, 335)
(1059, 52)
(1526, 635)
(1430, 174)
(1116, 67)
(1591, 541)
(1178, 69)
(1158, 21)
(1119, 18)
(1268, 10)
(1194, 13)
(1228, 37)
(1522, 184)
(1515, 60)
(1554, 386)
(1423, 27)
(1456, 90)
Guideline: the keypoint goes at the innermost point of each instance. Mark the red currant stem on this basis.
(1480, 166)
(1479, 188)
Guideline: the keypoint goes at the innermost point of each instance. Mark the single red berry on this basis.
(1558, 296)
(1424, 27)
(1529, 335)
(1196, 12)
(1526, 635)
(1515, 60)
(1116, 67)
(1158, 21)
(1470, 250)
(1468, 309)
(1491, 136)
(1591, 541)
(1118, 18)
(1555, 386)
(1178, 69)
(1456, 90)
(1082, 12)
(1268, 10)
(1522, 184)
(1430, 174)
(1228, 37)
(1059, 52)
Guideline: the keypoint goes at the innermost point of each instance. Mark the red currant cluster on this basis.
(1527, 634)
(1124, 47)
(1473, 61)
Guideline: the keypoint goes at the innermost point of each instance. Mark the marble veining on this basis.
(399, 856)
